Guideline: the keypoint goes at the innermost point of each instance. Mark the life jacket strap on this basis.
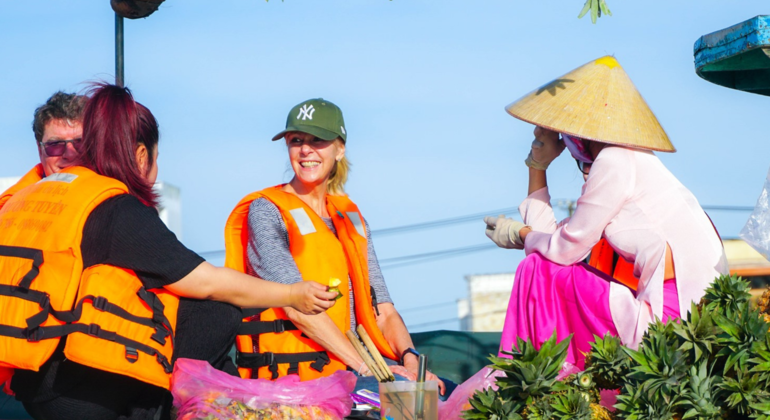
(275, 326)
(94, 330)
(255, 361)
(36, 255)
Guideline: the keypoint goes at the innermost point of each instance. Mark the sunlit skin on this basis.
(312, 160)
(57, 130)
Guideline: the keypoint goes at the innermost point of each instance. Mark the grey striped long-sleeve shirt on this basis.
(270, 258)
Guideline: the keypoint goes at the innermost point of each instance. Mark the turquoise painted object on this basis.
(737, 57)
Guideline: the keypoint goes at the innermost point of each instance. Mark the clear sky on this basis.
(422, 84)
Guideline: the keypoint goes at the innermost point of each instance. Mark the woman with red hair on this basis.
(136, 279)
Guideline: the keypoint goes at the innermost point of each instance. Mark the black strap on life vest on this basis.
(276, 326)
(35, 331)
(254, 361)
(94, 330)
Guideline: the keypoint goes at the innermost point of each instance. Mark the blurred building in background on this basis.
(170, 209)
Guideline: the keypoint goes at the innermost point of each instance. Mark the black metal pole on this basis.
(118, 50)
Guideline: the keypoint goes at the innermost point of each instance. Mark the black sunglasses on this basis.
(58, 147)
(583, 167)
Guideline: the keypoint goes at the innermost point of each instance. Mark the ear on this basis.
(340, 150)
(142, 158)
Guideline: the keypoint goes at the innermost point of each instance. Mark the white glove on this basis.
(545, 148)
(504, 232)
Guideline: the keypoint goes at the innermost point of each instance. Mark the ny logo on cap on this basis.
(306, 112)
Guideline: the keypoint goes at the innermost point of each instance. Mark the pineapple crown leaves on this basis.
(761, 410)
(727, 293)
(540, 409)
(741, 392)
(531, 372)
(607, 362)
(572, 405)
(634, 404)
(742, 335)
(761, 363)
(699, 394)
(698, 334)
(660, 367)
(487, 404)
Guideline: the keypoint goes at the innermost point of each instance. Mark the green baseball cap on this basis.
(318, 117)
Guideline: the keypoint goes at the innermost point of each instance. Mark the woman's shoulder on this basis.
(263, 210)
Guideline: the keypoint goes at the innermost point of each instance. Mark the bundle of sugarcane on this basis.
(372, 357)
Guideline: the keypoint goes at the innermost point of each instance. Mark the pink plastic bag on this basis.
(204, 393)
(452, 408)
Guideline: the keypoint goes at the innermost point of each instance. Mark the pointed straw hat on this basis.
(596, 101)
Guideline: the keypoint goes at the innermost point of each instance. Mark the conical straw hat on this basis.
(596, 101)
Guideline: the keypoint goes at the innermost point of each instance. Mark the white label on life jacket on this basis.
(303, 221)
(355, 218)
(61, 177)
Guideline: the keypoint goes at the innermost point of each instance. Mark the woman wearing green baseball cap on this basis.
(309, 230)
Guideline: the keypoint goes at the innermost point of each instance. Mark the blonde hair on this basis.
(339, 176)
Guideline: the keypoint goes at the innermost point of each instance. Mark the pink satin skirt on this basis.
(572, 299)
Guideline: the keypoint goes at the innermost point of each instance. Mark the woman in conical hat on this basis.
(629, 198)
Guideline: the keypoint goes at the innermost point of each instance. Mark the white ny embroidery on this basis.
(306, 112)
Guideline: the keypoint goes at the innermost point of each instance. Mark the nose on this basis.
(70, 153)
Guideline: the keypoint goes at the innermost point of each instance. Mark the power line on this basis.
(476, 217)
(430, 256)
(447, 320)
(458, 220)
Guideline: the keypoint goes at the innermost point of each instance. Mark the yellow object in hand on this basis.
(334, 287)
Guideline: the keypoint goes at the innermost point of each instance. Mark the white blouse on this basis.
(634, 202)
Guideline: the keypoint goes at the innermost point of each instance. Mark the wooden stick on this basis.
(365, 355)
(375, 353)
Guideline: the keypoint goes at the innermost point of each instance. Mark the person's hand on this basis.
(545, 148)
(504, 232)
(310, 297)
(409, 371)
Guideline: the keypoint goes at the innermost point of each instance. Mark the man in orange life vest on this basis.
(58, 128)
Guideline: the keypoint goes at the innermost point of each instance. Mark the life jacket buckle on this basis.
(99, 303)
(94, 330)
(320, 361)
(278, 326)
(34, 335)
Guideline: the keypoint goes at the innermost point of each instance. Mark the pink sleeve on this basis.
(607, 189)
(536, 211)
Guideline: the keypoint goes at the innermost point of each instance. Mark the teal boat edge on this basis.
(737, 57)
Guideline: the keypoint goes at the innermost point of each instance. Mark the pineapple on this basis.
(698, 335)
(334, 286)
(608, 364)
(742, 336)
(659, 365)
(743, 393)
(727, 293)
(699, 394)
(763, 305)
(572, 405)
(600, 413)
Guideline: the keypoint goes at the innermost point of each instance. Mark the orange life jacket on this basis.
(111, 321)
(267, 341)
(31, 177)
(606, 260)
(34, 175)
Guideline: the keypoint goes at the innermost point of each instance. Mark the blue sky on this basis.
(422, 85)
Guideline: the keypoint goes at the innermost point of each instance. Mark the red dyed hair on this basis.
(114, 125)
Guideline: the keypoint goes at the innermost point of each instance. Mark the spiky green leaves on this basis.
(573, 405)
(727, 294)
(699, 395)
(698, 334)
(608, 364)
(488, 405)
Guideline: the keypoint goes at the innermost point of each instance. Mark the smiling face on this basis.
(57, 130)
(312, 159)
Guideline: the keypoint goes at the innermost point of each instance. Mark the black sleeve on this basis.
(125, 233)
